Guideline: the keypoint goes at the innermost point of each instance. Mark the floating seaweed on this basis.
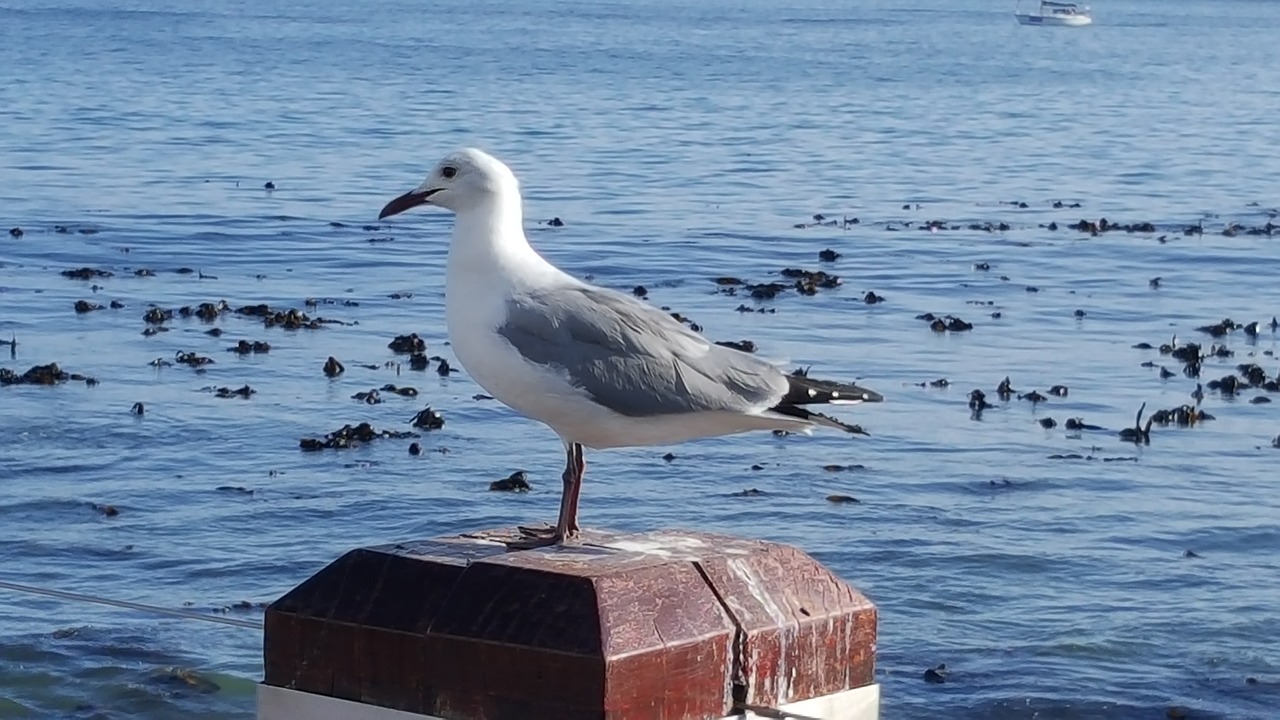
(350, 436)
(87, 273)
(1138, 434)
(515, 482)
(407, 344)
(333, 368)
(49, 374)
(191, 359)
(291, 319)
(428, 419)
(206, 311)
(244, 347)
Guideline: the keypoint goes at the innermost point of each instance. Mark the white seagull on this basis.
(599, 367)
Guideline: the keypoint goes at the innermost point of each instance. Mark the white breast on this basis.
(478, 283)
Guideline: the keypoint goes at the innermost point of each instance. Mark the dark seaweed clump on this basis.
(350, 436)
(49, 374)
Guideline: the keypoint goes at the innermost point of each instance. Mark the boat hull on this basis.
(1058, 20)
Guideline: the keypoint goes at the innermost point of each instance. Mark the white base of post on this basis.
(275, 703)
(857, 704)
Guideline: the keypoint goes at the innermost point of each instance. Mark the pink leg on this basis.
(567, 524)
(579, 469)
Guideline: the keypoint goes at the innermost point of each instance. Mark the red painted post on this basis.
(664, 626)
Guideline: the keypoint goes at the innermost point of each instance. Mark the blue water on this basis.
(678, 142)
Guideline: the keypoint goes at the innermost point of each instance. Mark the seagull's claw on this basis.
(529, 543)
(536, 537)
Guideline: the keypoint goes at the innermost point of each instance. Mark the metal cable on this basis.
(155, 609)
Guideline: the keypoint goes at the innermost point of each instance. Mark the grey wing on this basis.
(633, 358)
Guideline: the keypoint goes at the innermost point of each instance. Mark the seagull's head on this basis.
(464, 179)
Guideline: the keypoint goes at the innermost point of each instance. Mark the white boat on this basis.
(1056, 13)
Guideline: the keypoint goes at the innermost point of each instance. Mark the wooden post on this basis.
(667, 625)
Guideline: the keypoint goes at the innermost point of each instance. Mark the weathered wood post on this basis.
(658, 626)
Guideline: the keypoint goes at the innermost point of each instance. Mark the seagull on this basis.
(599, 367)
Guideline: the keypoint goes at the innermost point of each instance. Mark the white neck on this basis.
(490, 257)
(488, 239)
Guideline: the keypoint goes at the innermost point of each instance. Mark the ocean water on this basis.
(678, 142)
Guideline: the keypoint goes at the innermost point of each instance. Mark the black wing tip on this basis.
(819, 419)
(804, 390)
(868, 395)
(851, 428)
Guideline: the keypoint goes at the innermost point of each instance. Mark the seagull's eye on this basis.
(448, 171)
